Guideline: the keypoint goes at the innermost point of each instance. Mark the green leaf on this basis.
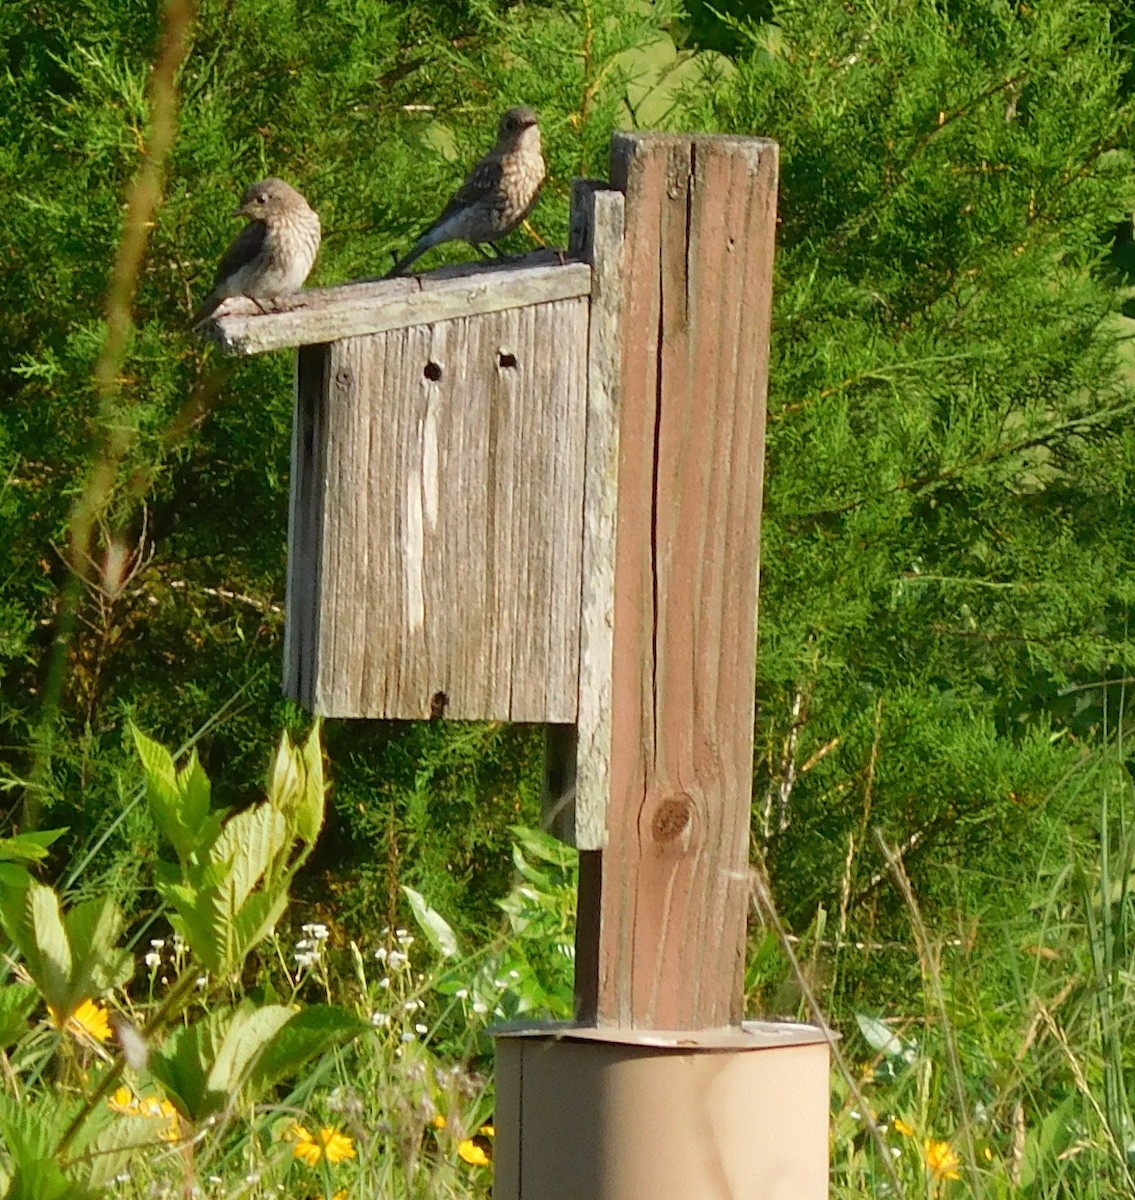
(544, 847)
(71, 958)
(259, 914)
(183, 1063)
(115, 1147)
(203, 1066)
(311, 1032)
(1046, 1141)
(310, 809)
(248, 1033)
(43, 1179)
(196, 794)
(31, 918)
(211, 907)
(180, 801)
(162, 790)
(13, 876)
(437, 930)
(249, 845)
(285, 781)
(296, 786)
(93, 928)
(880, 1037)
(30, 1129)
(28, 847)
(193, 918)
(17, 1003)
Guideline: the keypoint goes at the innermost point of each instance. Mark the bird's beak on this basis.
(239, 212)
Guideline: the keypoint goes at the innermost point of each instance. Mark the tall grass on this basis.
(1009, 1073)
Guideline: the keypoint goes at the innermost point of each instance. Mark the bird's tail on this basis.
(404, 264)
(201, 317)
(440, 231)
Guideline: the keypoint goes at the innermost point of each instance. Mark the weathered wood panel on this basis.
(437, 520)
(662, 933)
(321, 315)
(305, 519)
(597, 237)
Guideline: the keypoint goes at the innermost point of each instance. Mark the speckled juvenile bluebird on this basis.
(273, 254)
(501, 190)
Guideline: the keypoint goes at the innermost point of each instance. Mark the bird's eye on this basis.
(261, 199)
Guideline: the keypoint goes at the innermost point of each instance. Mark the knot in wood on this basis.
(671, 818)
(343, 378)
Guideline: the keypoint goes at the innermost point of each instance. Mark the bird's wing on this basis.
(246, 246)
(484, 180)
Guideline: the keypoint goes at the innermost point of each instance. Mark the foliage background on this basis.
(946, 583)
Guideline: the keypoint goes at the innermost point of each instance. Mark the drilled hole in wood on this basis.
(439, 701)
(507, 360)
(433, 372)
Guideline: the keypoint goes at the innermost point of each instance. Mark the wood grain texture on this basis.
(666, 939)
(597, 237)
(322, 315)
(305, 518)
(437, 524)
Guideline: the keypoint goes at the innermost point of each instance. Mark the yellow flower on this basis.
(89, 1018)
(902, 1127)
(478, 1150)
(123, 1101)
(942, 1159)
(472, 1152)
(329, 1143)
(341, 1194)
(439, 1121)
(151, 1106)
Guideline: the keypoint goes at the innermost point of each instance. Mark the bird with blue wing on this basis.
(502, 189)
(272, 255)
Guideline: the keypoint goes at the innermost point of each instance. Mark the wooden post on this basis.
(532, 492)
(663, 906)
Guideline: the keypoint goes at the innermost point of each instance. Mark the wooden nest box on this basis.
(457, 483)
(436, 527)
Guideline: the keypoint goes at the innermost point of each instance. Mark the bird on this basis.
(502, 189)
(273, 254)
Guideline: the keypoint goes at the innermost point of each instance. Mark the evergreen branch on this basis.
(881, 374)
(1101, 419)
